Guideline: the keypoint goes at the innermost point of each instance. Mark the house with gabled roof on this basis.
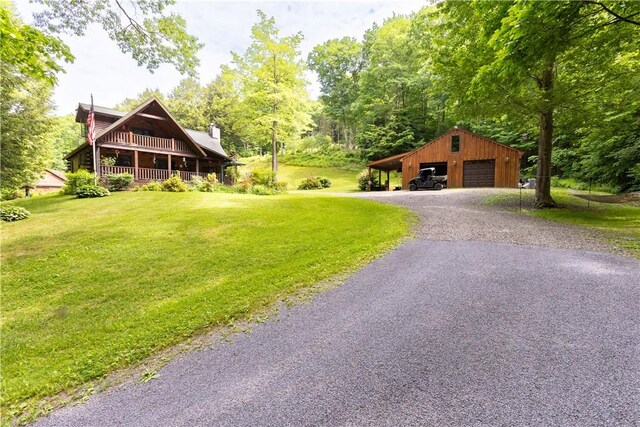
(148, 143)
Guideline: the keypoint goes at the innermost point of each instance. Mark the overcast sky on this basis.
(223, 26)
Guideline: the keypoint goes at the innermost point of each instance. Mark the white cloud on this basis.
(223, 26)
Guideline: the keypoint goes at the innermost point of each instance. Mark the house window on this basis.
(123, 160)
(141, 131)
(161, 163)
(455, 143)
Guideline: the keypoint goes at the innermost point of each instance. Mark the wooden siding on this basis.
(472, 147)
(102, 123)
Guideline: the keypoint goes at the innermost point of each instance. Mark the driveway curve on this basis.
(460, 330)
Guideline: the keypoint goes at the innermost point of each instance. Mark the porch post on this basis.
(169, 163)
(197, 165)
(173, 144)
(135, 165)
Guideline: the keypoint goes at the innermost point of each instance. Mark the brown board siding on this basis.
(472, 147)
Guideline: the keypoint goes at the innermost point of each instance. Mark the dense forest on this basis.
(558, 80)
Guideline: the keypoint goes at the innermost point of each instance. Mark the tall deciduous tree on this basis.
(27, 69)
(338, 63)
(395, 102)
(65, 135)
(144, 29)
(129, 104)
(187, 104)
(533, 58)
(222, 108)
(273, 89)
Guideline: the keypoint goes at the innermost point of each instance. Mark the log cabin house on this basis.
(148, 143)
(468, 160)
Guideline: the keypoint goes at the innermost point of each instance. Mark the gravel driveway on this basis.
(460, 214)
(437, 333)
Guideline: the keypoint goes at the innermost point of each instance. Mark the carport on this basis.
(388, 164)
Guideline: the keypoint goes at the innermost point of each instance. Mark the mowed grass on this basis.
(342, 180)
(93, 285)
(619, 223)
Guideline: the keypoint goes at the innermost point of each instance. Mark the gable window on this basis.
(455, 143)
(142, 131)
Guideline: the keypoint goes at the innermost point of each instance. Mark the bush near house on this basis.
(119, 182)
(76, 180)
(175, 184)
(90, 191)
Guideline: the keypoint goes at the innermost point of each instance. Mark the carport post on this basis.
(388, 181)
(380, 177)
(369, 182)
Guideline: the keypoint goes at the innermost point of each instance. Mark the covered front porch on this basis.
(146, 166)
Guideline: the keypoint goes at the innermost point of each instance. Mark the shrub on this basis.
(10, 194)
(314, 183)
(325, 182)
(195, 184)
(13, 213)
(265, 177)
(232, 173)
(174, 184)
(363, 180)
(210, 184)
(261, 190)
(311, 183)
(119, 182)
(76, 180)
(89, 191)
(151, 186)
(280, 187)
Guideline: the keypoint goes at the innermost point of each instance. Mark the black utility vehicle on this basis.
(427, 179)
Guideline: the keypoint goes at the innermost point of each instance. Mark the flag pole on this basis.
(91, 137)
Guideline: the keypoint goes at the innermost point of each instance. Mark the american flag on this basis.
(91, 125)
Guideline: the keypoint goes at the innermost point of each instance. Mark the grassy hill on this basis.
(93, 285)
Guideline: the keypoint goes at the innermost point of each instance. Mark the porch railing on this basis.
(149, 174)
(108, 170)
(154, 142)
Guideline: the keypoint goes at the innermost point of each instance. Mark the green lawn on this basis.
(342, 180)
(93, 285)
(619, 223)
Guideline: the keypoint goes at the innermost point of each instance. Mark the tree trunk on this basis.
(543, 197)
(274, 133)
(274, 146)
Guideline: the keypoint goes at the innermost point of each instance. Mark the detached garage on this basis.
(468, 160)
